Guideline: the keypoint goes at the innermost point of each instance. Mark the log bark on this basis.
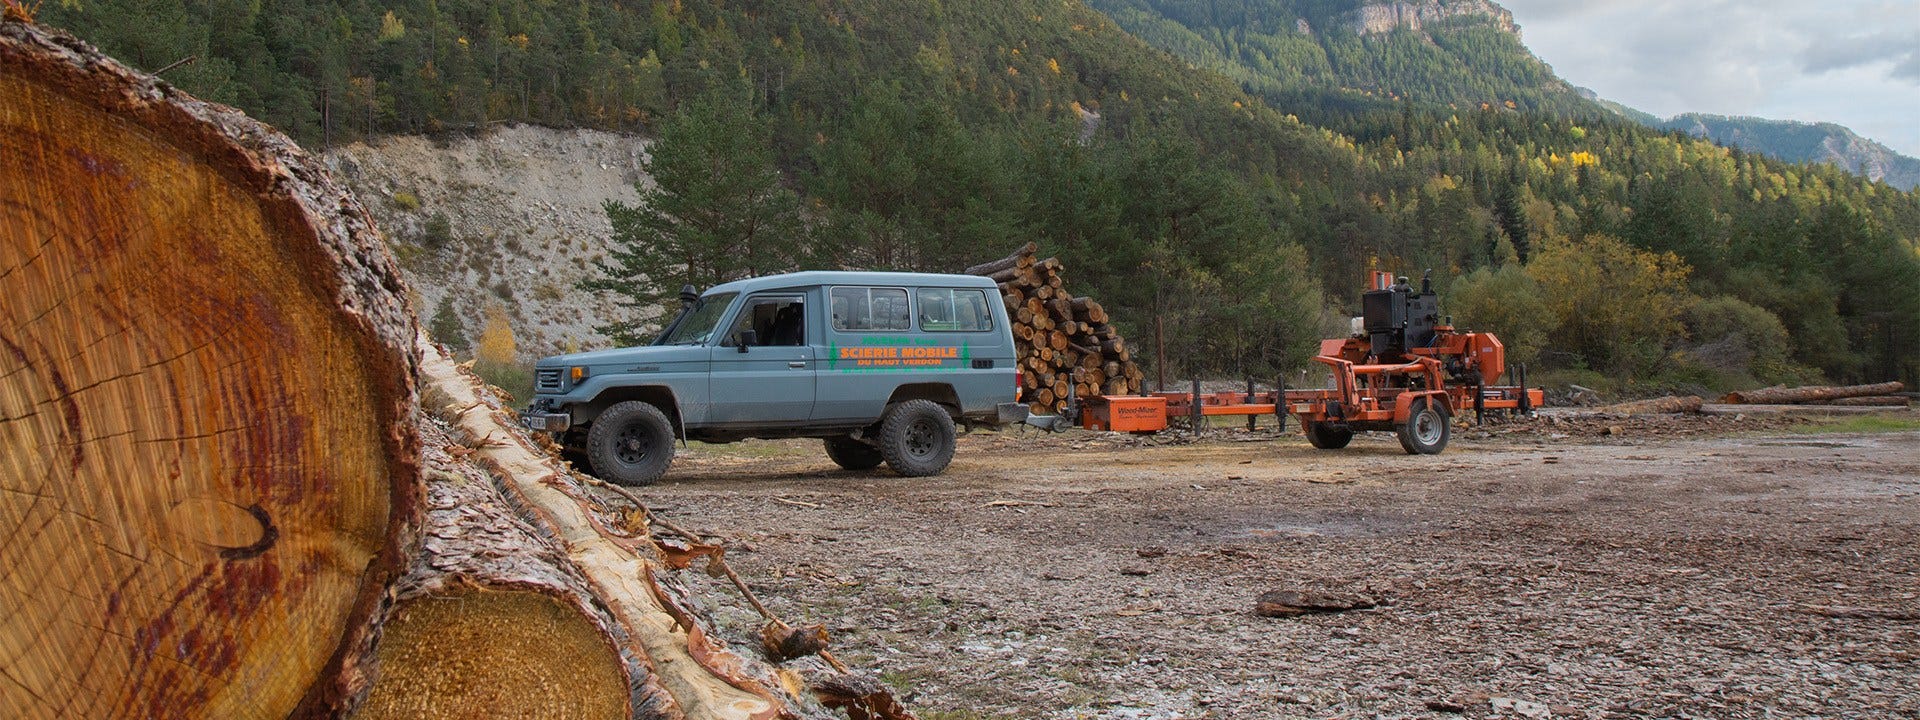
(205, 379)
(1810, 393)
(1668, 404)
(989, 268)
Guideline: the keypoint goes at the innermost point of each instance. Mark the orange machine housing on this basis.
(1125, 413)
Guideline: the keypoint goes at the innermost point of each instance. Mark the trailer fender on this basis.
(1402, 405)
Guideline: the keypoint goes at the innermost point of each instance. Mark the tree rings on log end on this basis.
(205, 383)
(487, 652)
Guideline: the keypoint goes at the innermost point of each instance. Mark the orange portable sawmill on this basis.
(1403, 369)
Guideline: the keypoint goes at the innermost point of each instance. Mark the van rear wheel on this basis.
(853, 454)
(917, 438)
(630, 444)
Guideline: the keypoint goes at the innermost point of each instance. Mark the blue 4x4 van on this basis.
(879, 365)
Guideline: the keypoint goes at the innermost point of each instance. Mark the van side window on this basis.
(951, 310)
(776, 320)
(859, 308)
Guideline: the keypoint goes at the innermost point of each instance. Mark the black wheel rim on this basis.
(922, 438)
(633, 444)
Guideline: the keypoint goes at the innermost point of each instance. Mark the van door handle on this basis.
(797, 364)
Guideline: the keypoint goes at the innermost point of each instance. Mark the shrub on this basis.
(1738, 337)
(1617, 306)
(406, 200)
(437, 232)
(1506, 302)
(496, 358)
(446, 328)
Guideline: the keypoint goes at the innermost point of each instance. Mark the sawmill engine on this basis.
(1396, 319)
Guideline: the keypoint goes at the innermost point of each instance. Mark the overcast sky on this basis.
(1852, 62)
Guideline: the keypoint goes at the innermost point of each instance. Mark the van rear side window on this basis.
(861, 308)
(953, 310)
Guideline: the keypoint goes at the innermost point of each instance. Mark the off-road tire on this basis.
(916, 438)
(630, 444)
(853, 454)
(1426, 430)
(1327, 437)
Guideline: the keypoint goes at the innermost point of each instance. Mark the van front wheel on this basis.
(630, 444)
(917, 438)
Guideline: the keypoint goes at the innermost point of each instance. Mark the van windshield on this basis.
(697, 326)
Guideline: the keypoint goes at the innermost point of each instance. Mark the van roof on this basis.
(812, 278)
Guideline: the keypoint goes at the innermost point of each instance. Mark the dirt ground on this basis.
(1722, 568)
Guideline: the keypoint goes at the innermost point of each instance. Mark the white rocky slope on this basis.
(523, 220)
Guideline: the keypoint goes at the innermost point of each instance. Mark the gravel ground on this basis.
(1658, 567)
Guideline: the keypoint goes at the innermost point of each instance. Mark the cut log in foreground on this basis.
(222, 499)
(1811, 393)
(491, 619)
(205, 403)
(1065, 345)
(687, 670)
(1668, 404)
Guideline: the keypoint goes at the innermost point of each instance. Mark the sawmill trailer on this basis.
(1404, 369)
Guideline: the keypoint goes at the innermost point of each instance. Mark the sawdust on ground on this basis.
(1660, 566)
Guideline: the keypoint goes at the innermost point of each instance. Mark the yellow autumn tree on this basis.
(1617, 307)
(495, 356)
(496, 337)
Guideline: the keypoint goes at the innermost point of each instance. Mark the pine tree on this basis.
(446, 328)
(1511, 210)
(717, 212)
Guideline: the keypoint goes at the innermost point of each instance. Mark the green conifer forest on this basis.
(1208, 163)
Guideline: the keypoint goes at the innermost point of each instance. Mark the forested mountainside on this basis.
(1354, 54)
(930, 135)
(1795, 141)
(1789, 140)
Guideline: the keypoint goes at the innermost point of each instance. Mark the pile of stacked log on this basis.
(1878, 394)
(1066, 344)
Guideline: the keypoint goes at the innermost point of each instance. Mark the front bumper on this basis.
(547, 422)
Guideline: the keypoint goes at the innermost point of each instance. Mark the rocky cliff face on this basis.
(1381, 18)
(510, 217)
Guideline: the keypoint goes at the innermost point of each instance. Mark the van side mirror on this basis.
(748, 338)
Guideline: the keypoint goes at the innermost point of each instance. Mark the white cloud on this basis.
(1853, 62)
(1838, 53)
